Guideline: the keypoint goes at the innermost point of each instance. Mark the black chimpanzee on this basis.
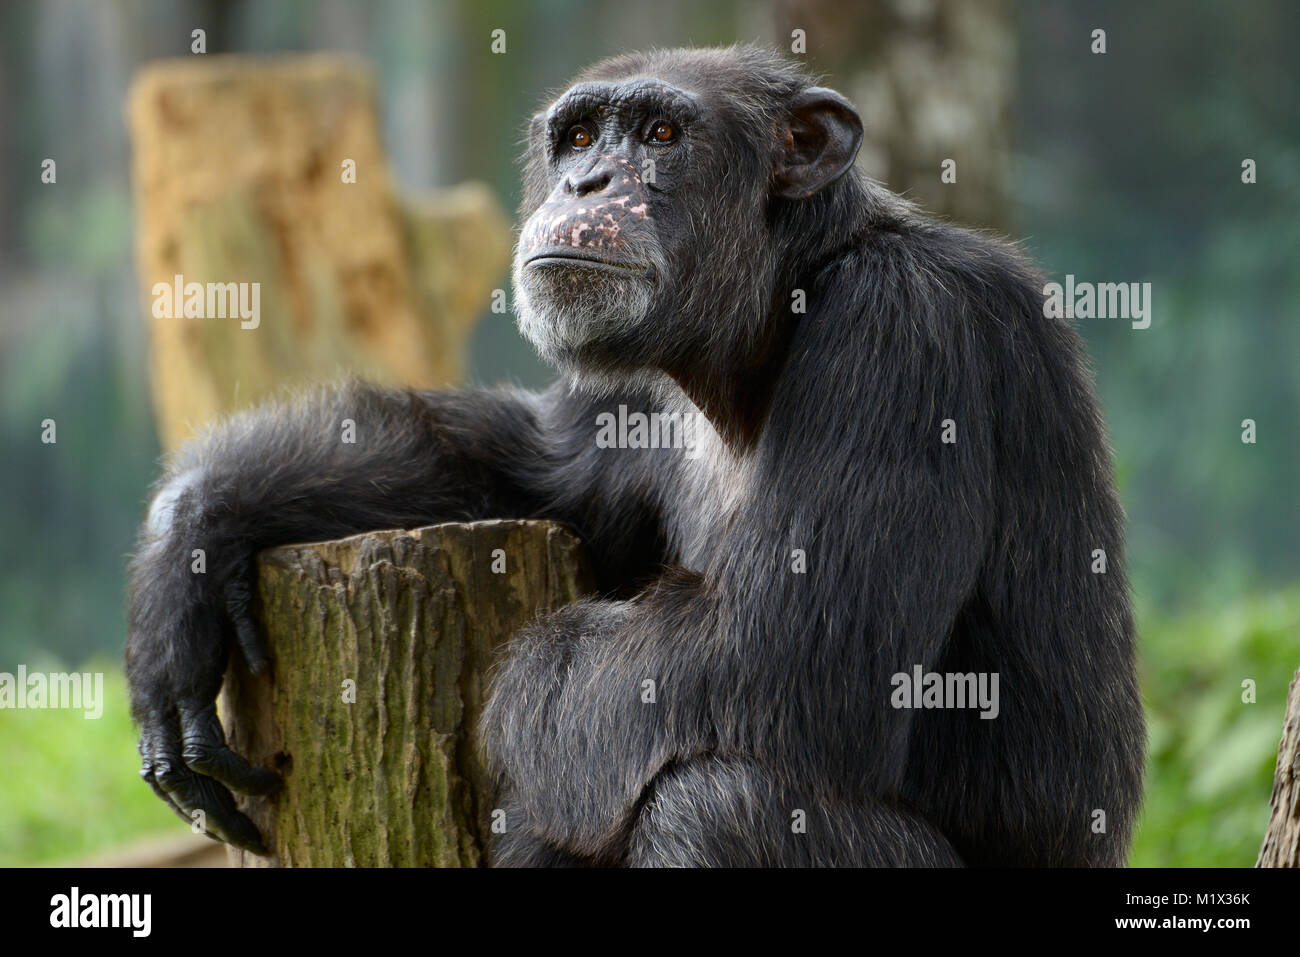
(900, 471)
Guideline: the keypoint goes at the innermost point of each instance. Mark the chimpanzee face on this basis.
(594, 258)
(647, 232)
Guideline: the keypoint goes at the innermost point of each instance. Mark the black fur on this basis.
(772, 688)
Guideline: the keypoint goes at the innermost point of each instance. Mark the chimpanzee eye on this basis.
(663, 132)
(579, 137)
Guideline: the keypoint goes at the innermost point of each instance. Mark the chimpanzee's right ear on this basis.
(820, 140)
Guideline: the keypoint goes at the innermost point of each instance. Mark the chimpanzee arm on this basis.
(333, 463)
(591, 702)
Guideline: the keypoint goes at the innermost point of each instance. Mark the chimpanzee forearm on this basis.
(353, 459)
(332, 463)
(576, 749)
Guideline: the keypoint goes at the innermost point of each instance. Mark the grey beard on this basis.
(560, 314)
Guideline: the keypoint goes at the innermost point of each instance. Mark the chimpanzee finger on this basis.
(220, 818)
(204, 750)
(188, 793)
(239, 606)
(147, 749)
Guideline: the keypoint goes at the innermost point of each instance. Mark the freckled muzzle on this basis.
(605, 225)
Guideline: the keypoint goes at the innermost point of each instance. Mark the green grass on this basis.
(1211, 755)
(69, 787)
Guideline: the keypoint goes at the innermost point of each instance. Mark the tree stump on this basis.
(267, 175)
(1282, 839)
(382, 645)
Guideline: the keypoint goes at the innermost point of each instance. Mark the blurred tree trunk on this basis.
(382, 644)
(933, 80)
(270, 171)
(1282, 839)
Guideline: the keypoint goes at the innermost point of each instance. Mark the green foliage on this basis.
(70, 788)
(1211, 755)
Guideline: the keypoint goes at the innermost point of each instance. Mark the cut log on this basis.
(269, 172)
(383, 643)
(1282, 839)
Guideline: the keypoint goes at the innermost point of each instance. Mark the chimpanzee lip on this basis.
(556, 257)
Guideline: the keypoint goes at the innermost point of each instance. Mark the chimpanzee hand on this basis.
(185, 606)
(280, 473)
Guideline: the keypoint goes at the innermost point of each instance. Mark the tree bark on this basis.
(382, 646)
(1282, 839)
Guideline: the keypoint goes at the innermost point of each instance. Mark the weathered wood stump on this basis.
(268, 176)
(1282, 839)
(382, 645)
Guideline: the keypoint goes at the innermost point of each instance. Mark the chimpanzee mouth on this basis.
(564, 257)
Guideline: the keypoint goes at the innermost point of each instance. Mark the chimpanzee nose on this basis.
(595, 179)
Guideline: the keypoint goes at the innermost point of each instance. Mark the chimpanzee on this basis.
(899, 482)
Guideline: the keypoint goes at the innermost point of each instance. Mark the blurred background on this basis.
(1122, 166)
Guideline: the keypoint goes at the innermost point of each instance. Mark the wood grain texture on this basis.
(414, 619)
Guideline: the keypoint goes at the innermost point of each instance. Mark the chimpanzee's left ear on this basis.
(821, 137)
